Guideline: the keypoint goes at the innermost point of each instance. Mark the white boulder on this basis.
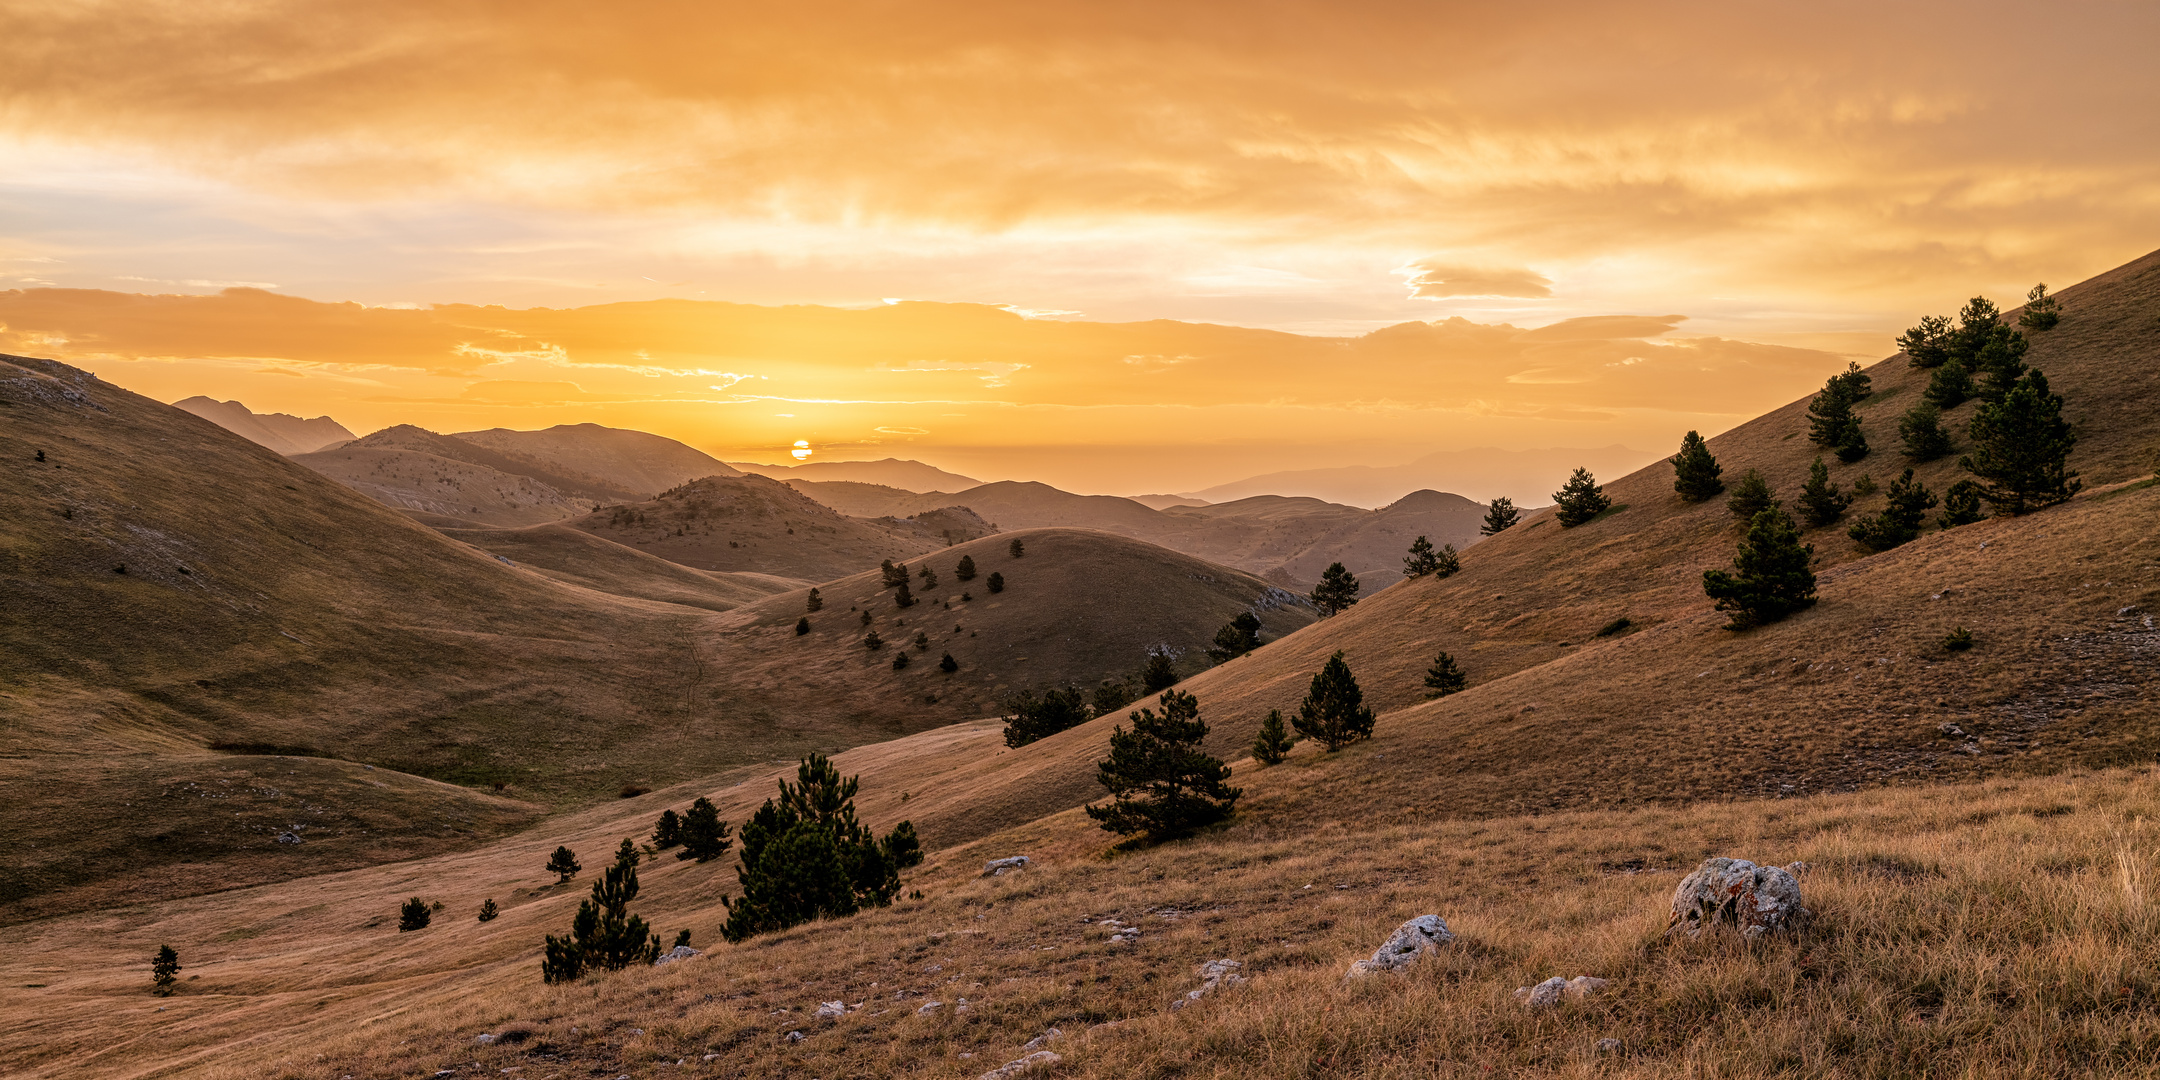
(1755, 900)
(1407, 945)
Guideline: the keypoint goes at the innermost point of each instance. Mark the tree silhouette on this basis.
(1162, 784)
(1751, 496)
(1273, 743)
(1580, 499)
(1500, 516)
(1695, 472)
(164, 970)
(1334, 710)
(1901, 519)
(2041, 310)
(1770, 577)
(564, 864)
(1820, 500)
(804, 856)
(1337, 590)
(2021, 449)
(1239, 636)
(704, 836)
(1445, 677)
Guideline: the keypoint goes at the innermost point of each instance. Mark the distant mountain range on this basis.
(888, 472)
(283, 432)
(1526, 476)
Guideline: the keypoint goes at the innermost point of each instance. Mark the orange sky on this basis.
(1797, 182)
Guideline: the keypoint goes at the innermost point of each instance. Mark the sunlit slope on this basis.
(752, 523)
(633, 461)
(582, 559)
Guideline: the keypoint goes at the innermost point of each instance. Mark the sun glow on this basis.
(802, 450)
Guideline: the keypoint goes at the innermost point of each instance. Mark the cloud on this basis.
(1434, 280)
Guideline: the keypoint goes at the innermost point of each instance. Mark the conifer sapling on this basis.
(966, 570)
(997, 582)
(1273, 743)
(1922, 434)
(164, 971)
(703, 835)
(1421, 560)
(900, 660)
(1770, 578)
(488, 910)
(667, 832)
(1901, 519)
(1751, 496)
(1158, 674)
(1162, 784)
(2021, 448)
(2041, 310)
(1580, 499)
(1499, 516)
(1334, 710)
(1445, 677)
(1239, 636)
(1016, 549)
(1961, 505)
(1820, 500)
(414, 915)
(948, 665)
(1695, 472)
(872, 641)
(1337, 590)
(802, 626)
(815, 602)
(564, 864)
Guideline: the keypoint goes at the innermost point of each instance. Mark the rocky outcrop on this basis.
(1214, 975)
(1020, 1065)
(1754, 900)
(1407, 945)
(679, 952)
(1002, 867)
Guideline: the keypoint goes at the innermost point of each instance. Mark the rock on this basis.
(484, 1040)
(1044, 1039)
(1000, 867)
(1214, 975)
(1020, 1065)
(288, 838)
(1407, 945)
(1756, 900)
(1608, 1046)
(929, 1007)
(680, 952)
(831, 1010)
(1556, 989)
(1950, 729)
(796, 1036)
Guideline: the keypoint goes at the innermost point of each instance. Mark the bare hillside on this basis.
(582, 559)
(751, 523)
(632, 462)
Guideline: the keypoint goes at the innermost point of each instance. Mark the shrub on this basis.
(805, 856)
(1580, 499)
(1950, 386)
(1273, 743)
(1922, 433)
(1961, 505)
(997, 582)
(1820, 500)
(866, 618)
(564, 864)
(928, 576)
(1016, 549)
(704, 836)
(164, 969)
(1030, 716)
(2021, 448)
(604, 935)
(816, 601)
(1239, 636)
(1334, 710)
(904, 597)
(1770, 578)
(1900, 520)
(1445, 677)
(1695, 472)
(1751, 496)
(1500, 516)
(488, 910)
(948, 665)
(2041, 310)
(1162, 784)
(873, 642)
(1337, 590)
(900, 660)
(1958, 640)
(667, 832)
(966, 570)
(415, 915)
(802, 626)
(1158, 673)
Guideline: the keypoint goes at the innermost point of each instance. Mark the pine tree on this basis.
(2002, 360)
(1901, 518)
(1337, 590)
(893, 573)
(1695, 472)
(1016, 549)
(1928, 344)
(922, 640)
(1445, 677)
(948, 665)
(1961, 505)
(1273, 743)
(1580, 499)
(904, 597)
(1950, 386)
(563, 863)
(1239, 636)
(667, 832)
(865, 617)
(1421, 560)
(1499, 516)
(414, 915)
(1922, 433)
(816, 601)
(1977, 321)
(1162, 784)
(802, 626)
(1334, 709)
(966, 570)
(873, 642)
(1449, 560)
(900, 660)
(1030, 716)
(928, 576)
(1771, 578)
(1820, 500)
(804, 856)
(604, 935)
(1751, 496)
(997, 582)
(1157, 674)
(704, 836)
(488, 910)
(2021, 449)
(164, 971)
(2041, 310)
(1831, 421)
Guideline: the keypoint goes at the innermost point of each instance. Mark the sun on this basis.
(802, 449)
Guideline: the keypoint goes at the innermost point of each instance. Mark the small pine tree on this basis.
(1770, 577)
(1421, 560)
(1158, 673)
(1111, 695)
(1958, 640)
(1922, 433)
(1901, 518)
(1820, 500)
(816, 601)
(164, 971)
(1337, 591)
(1961, 505)
(667, 832)
(904, 597)
(2041, 310)
(928, 576)
(1950, 386)
(1831, 421)
(2021, 449)
(488, 910)
(802, 626)
(893, 573)
(865, 617)
(2002, 361)
(1273, 743)
(1695, 472)
(997, 582)
(1016, 549)
(564, 864)
(1751, 496)
(704, 836)
(872, 641)
(415, 915)
(1445, 677)
(1580, 499)
(805, 856)
(966, 570)
(1030, 716)
(1162, 784)
(1239, 636)
(1928, 344)
(603, 934)
(1334, 710)
(1449, 560)
(900, 660)
(1500, 516)
(948, 665)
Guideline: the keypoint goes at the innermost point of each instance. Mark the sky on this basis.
(1118, 247)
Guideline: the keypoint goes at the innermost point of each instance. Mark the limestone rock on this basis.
(1020, 1065)
(929, 1007)
(831, 1010)
(1553, 991)
(1756, 900)
(1407, 945)
(679, 952)
(1214, 975)
(1042, 1040)
(1608, 1046)
(796, 1036)
(1001, 867)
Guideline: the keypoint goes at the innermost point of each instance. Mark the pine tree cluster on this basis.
(603, 936)
(1030, 716)
(805, 856)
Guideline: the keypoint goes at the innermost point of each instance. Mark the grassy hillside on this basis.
(751, 523)
(637, 462)
(587, 561)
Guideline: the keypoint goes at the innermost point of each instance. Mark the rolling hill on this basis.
(634, 462)
(579, 558)
(1526, 476)
(912, 476)
(282, 432)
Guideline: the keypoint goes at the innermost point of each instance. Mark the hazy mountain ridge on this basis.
(1527, 476)
(282, 432)
(912, 476)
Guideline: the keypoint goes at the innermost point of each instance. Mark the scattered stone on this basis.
(712, 1057)
(1121, 934)
(288, 838)
(1214, 975)
(1407, 945)
(1608, 1046)
(1020, 1065)
(961, 1006)
(832, 1010)
(796, 1036)
(1552, 991)
(484, 1040)
(680, 952)
(1001, 867)
(1044, 1039)
(929, 1007)
(1950, 729)
(1756, 900)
